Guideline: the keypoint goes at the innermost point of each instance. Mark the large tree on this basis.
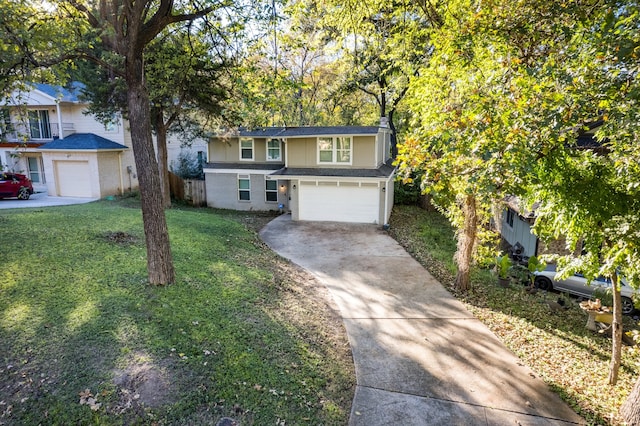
(507, 93)
(467, 143)
(382, 44)
(122, 29)
(185, 75)
(125, 28)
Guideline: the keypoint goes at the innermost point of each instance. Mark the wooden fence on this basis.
(189, 190)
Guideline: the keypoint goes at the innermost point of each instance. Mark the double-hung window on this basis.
(244, 188)
(271, 191)
(510, 216)
(335, 150)
(112, 125)
(39, 126)
(274, 149)
(246, 149)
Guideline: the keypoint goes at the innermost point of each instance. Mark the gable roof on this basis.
(62, 94)
(288, 132)
(83, 141)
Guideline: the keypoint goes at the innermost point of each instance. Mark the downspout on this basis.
(386, 204)
(120, 173)
(286, 153)
(60, 129)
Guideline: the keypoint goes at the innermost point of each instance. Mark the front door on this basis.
(35, 169)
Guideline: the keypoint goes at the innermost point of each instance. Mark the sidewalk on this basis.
(420, 357)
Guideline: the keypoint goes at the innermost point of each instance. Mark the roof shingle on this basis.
(88, 141)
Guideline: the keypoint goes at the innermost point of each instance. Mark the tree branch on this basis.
(163, 17)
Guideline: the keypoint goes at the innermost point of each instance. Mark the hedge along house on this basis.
(337, 174)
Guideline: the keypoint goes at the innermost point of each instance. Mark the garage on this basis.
(73, 178)
(357, 202)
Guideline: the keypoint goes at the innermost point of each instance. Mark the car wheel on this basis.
(24, 194)
(627, 306)
(544, 283)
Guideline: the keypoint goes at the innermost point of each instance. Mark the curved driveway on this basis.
(420, 357)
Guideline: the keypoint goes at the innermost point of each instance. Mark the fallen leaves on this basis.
(87, 398)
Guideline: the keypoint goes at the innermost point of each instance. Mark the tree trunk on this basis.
(630, 410)
(466, 242)
(616, 332)
(159, 259)
(394, 139)
(163, 156)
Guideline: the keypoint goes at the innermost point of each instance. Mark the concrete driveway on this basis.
(41, 199)
(420, 357)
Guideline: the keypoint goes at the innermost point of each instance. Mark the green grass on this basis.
(230, 338)
(557, 346)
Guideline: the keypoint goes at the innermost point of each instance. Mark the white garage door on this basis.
(73, 178)
(331, 202)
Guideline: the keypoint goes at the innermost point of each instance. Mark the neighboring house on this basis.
(516, 222)
(45, 134)
(340, 174)
(516, 231)
(516, 228)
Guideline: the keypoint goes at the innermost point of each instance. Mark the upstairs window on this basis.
(334, 150)
(246, 149)
(274, 150)
(39, 127)
(112, 125)
(5, 123)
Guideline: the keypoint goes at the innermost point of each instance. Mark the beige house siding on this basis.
(104, 173)
(364, 152)
(228, 151)
(303, 153)
(110, 183)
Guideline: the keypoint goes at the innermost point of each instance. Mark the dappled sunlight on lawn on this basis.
(84, 312)
(21, 317)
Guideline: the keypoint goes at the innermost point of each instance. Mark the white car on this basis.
(577, 285)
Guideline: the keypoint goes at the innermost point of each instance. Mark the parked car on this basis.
(577, 285)
(15, 185)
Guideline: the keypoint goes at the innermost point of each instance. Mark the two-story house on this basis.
(46, 134)
(341, 174)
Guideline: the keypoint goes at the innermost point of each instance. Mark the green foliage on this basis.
(535, 265)
(219, 342)
(557, 347)
(406, 193)
(187, 166)
(503, 265)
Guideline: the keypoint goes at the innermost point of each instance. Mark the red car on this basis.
(15, 185)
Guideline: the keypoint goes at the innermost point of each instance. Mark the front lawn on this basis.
(85, 340)
(556, 345)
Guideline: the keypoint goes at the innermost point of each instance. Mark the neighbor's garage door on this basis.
(347, 202)
(73, 178)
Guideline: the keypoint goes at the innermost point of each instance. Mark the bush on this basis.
(187, 166)
(407, 193)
